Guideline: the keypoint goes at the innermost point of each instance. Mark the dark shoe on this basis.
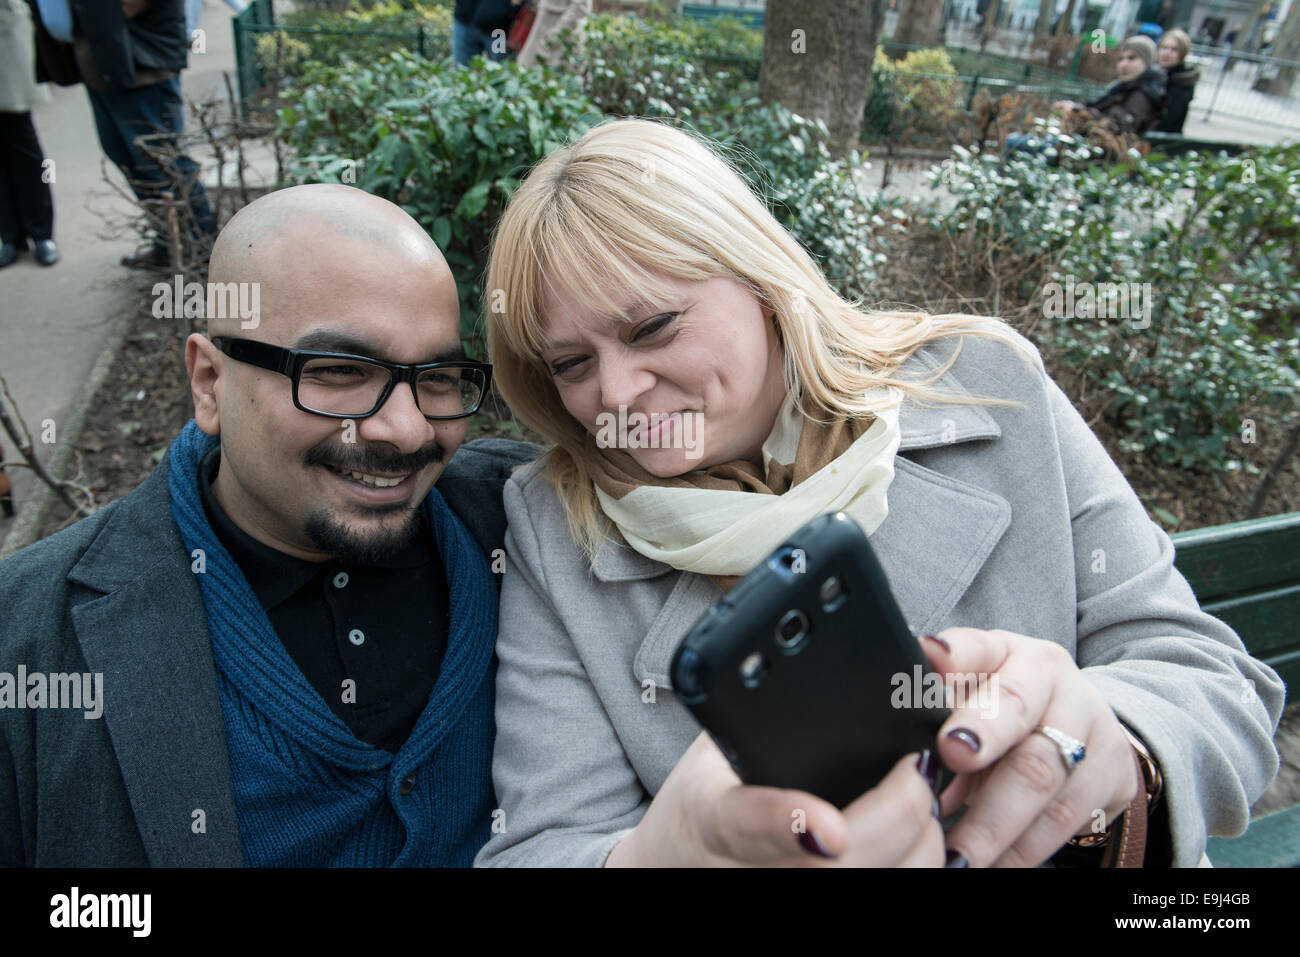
(147, 257)
(8, 254)
(47, 254)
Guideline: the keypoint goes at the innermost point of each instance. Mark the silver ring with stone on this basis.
(1072, 749)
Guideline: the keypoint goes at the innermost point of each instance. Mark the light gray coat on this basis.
(18, 90)
(999, 517)
(553, 18)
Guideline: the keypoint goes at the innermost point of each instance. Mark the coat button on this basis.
(408, 785)
(356, 636)
(341, 580)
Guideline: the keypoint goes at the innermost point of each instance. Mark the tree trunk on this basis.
(817, 61)
(990, 22)
(1063, 25)
(1245, 44)
(1285, 47)
(1043, 25)
(920, 23)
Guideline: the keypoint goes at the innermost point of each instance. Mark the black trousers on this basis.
(26, 205)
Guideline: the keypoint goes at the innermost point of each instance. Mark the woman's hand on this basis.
(1023, 805)
(704, 817)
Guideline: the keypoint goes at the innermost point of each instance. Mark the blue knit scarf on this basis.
(307, 792)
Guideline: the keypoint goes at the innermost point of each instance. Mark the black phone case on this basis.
(830, 713)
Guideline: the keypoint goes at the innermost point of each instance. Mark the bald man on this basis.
(277, 651)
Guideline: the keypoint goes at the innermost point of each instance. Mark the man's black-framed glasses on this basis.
(344, 386)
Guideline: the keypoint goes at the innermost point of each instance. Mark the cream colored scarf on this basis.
(723, 520)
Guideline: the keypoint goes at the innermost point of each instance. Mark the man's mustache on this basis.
(374, 459)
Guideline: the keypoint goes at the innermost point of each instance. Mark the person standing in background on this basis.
(474, 29)
(26, 204)
(1180, 80)
(130, 57)
(553, 18)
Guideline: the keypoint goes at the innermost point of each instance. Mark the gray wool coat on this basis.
(999, 517)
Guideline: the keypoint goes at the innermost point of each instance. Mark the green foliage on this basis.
(448, 145)
(821, 201)
(335, 34)
(279, 54)
(722, 40)
(917, 94)
(451, 145)
(1217, 239)
(679, 71)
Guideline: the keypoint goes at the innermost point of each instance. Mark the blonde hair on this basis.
(1181, 38)
(634, 200)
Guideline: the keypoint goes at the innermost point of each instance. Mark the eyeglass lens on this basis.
(353, 387)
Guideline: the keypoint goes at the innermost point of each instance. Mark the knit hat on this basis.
(1142, 46)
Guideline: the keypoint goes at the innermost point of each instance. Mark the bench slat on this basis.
(1271, 841)
(1287, 666)
(1233, 559)
(754, 18)
(1266, 621)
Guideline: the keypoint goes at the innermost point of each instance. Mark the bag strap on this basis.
(1128, 843)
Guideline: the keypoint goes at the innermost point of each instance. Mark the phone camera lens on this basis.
(687, 673)
(832, 594)
(792, 629)
(753, 669)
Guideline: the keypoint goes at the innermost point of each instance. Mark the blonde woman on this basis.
(1180, 79)
(706, 393)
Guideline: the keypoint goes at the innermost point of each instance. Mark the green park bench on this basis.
(704, 11)
(1174, 144)
(1248, 575)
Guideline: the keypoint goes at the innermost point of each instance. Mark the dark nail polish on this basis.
(956, 859)
(928, 765)
(967, 737)
(811, 842)
(937, 811)
(938, 641)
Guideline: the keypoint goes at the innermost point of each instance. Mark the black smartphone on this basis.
(805, 673)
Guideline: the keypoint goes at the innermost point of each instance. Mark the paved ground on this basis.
(55, 322)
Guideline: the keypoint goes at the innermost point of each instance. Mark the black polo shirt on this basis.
(380, 628)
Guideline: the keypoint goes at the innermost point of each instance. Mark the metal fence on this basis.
(258, 20)
(1243, 86)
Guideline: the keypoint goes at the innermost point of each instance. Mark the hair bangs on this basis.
(609, 265)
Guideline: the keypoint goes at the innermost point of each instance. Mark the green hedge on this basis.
(1216, 359)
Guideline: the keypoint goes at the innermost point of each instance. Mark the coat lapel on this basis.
(939, 533)
(148, 635)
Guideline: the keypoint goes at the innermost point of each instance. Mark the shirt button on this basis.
(356, 636)
(341, 580)
(408, 785)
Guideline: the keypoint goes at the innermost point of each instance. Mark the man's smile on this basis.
(374, 481)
